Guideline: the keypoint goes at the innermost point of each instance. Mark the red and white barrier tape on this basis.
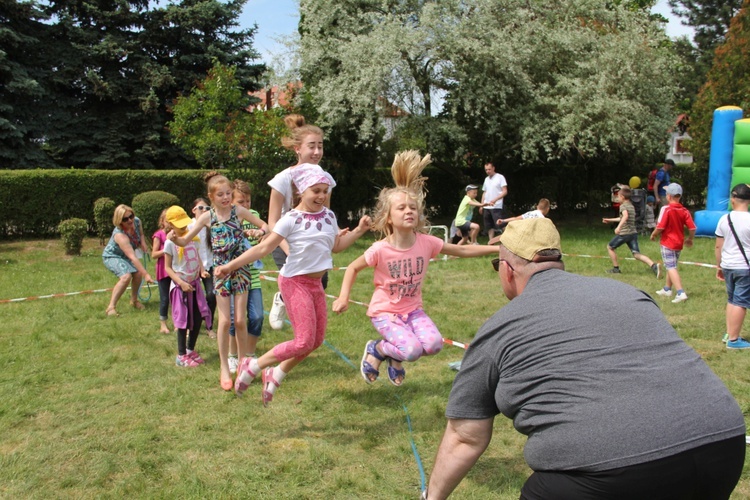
(341, 268)
(687, 263)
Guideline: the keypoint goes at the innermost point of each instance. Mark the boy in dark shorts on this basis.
(469, 230)
(626, 233)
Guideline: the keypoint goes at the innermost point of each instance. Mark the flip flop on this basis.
(365, 368)
(112, 312)
(395, 373)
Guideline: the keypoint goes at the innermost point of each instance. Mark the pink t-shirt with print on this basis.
(399, 274)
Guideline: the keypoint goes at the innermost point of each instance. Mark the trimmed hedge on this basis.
(104, 209)
(73, 231)
(148, 207)
(33, 202)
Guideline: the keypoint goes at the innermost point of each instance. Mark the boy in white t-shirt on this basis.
(732, 250)
(541, 211)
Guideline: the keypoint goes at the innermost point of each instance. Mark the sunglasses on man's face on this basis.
(496, 264)
(202, 207)
(128, 218)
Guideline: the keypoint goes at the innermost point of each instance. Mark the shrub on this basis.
(73, 231)
(104, 208)
(33, 202)
(148, 206)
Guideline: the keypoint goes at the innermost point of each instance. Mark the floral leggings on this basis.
(408, 337)
(306, 307)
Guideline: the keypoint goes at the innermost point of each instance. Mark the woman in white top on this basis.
(307, 143)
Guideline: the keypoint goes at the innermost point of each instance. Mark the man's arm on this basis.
(503, 194)
(463, 443)
(657, 182)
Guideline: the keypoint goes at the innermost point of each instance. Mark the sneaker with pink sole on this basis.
(185, 361)
(195, 357)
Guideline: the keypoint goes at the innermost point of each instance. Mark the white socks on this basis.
(278, 376)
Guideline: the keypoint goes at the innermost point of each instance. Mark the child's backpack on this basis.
(651, 179)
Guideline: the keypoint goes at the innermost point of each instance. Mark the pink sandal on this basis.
(267, 377)
(243, 373)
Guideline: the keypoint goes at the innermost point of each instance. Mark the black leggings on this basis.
(705, 473)
(187, 337)
(164, 285)
(208, 288)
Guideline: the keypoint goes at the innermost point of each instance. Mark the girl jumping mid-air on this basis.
(400, 260)
(312, 232)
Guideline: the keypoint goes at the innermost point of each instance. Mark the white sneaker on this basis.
(664, 293)
(234, 362)
(680, 297)
(278, 312)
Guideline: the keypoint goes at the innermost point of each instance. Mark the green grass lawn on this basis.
(95, 407)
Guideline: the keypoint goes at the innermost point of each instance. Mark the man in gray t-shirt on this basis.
(614, 403)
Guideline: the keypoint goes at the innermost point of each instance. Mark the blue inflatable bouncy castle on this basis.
(729, 164)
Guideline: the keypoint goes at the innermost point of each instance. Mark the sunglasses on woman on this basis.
(128, 218)
(202, 207)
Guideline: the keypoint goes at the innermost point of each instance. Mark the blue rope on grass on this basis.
(417, 458)
(414, 450)
(144, 298)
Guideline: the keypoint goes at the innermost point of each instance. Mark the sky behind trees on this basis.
(278, 18)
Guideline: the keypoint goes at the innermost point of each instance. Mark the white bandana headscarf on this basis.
(307, 175)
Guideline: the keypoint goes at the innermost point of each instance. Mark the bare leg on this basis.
(252, 344)
(735, 318)
(222, 306)
(117, 291)
(474, 232)
(233, 344)
(135, 285)
(644, 259)
(240, 324)
(673, 279)
(612, 256)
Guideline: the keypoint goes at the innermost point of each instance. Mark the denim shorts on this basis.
(738, 287)
(631, 240)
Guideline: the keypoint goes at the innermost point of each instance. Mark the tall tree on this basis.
(728, 83)
(709, 18)
(571, 80)
(24, 73)
(114, 67)
(526, 81)
(368, 54)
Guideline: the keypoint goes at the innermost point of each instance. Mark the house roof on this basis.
(275, 96)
